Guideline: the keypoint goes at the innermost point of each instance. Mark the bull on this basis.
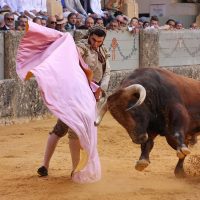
(154, 101)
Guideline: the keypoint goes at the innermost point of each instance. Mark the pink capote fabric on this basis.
(53, 59)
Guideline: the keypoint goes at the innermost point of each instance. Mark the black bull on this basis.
(153, 101)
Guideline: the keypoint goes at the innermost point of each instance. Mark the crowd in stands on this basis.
(77, 14)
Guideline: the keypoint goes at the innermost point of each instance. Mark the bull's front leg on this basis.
(146, 148)
(178, 125)
(179, 170)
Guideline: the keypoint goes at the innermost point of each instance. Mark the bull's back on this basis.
(187, 88)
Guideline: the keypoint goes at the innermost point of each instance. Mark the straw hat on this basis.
(60, 19)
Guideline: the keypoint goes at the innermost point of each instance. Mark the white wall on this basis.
(124, 50)
(178, 48)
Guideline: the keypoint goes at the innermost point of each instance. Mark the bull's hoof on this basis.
(179, 173)
(182, 152)
(185, 150)
(141, 164)
(180, 155)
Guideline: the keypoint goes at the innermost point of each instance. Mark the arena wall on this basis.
(21, 101)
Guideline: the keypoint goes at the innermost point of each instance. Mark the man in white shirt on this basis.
(12, 5)
(40, 5)
(33, 8)
(75, 7)
(96, 7)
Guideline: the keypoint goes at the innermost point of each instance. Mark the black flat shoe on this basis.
(42, 171)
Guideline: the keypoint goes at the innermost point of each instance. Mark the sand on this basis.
(21, 152)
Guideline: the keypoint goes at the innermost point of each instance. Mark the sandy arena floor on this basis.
(21, 153)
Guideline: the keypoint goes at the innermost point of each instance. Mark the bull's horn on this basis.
(136, 88)
(101, 112)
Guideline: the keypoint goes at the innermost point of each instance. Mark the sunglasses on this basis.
(10, 19)
(53, 22)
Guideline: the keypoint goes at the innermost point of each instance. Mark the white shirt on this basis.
(75, 6)
(27, 5)
(96, 7)
(15, 5)
(40, 5)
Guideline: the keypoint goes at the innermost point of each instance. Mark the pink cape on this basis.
(53, 59)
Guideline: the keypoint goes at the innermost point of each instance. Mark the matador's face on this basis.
(95, 41)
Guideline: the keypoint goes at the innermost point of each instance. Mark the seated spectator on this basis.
(44, 21)
(60, 23)
(171, 23)
(66, 12)
(114, 5)
(39, 8)
(96, 7)
(99, 21)
(71, 25)
(51, 22)
(75, 7)
(179, 25)
(9, 22)
(86, 6)
(37, 20)
(22, 22)
(79, 21)
(14, 6)
(113, 25)
(89, 22)
(28, 8)
(63, 3)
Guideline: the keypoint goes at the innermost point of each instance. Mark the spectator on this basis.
(61, 22)
(44, 21)
(154, 22)
(194, 26)
(14, 6)
(114, 5)
(75, 7)
(22, 22)
(96, 7)
(51, 22)
(179, 25)
(86, 6)
(89, 22)
(134, 25)
(171, 23)
(37, 20)
(28, 8)
(9, 22)
(71, 25)
(146, 24)
(122, 22)
(79, 21)
(63, 3)
(99, 21)
(141, 20)
(113, 25)
(40, 8)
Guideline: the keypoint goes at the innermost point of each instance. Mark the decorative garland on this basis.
(115, 45)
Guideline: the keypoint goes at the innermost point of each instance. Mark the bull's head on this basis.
(121, 105)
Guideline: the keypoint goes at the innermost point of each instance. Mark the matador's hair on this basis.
(97, 30)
